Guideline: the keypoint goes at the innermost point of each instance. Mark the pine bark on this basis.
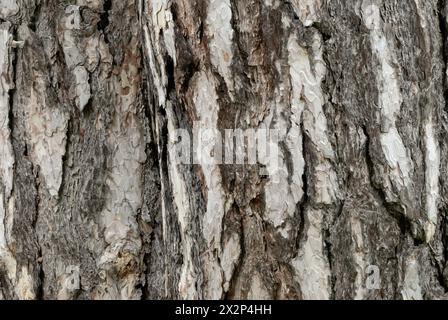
(93, 204)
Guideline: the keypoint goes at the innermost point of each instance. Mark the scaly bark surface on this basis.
(93, 204)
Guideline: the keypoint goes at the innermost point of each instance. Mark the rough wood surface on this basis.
(93, 204)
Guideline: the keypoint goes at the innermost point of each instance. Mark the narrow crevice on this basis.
(443, 25)
(303, 204)
(40, 288)
(440, 265)
(104, 19)
(144, 286)
(41, 274)
(65, 157)
(201, 31)
(36, 204)
(301, 207)
(230, 294)
(169, 68)
(11, 111)
(151, 164)
(5, 285)
(329, 254)
(12, 91)
(35, 17)
(288, 160)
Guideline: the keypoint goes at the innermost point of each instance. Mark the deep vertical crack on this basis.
(104, 18)
(443, 25)
(12, 91)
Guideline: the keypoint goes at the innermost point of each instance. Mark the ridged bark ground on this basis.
(93, 204)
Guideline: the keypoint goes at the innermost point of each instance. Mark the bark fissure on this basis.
(103, 23)
(12, 91)
(443, 25)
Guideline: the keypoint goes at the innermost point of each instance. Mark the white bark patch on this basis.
(161, 23)
(281, 196)
(279, 200)
(307, 95)
(230, 257)
(432, 163)
(188, 279)
(424, 23)
(206, 103)
(411, 284)
(47, 131)
(220, 33)
(25, 285)
(162, 19)
(307, 71)
(307, 10)
(70, 23)
(156, 64)
(82, 87)
(390, 99)
(311, 265)
(74, 56)
(214, 279)
(396, 156)
(124, 181)
(326, 184)
(123, 202)
(6, 257)
(307, 82)
(180, 194)
(6, 84)
(8, 8)
(284, 189)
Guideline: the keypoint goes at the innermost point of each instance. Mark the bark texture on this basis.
(93, 205)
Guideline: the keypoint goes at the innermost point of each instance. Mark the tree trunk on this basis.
(99, 97)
